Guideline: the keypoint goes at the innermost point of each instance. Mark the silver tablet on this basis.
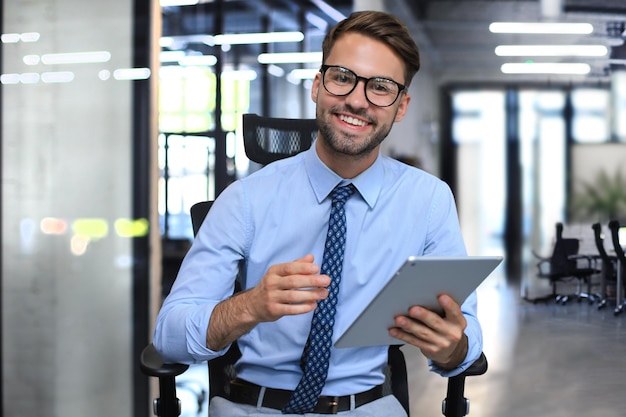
(419, 281)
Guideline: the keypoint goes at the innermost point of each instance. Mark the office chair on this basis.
(614, 227)
(562, 266)
(267, 140)
(608, 266)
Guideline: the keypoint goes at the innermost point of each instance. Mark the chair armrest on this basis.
(152, 364)
(479, 367)
(592, 260)
(455, 404)
(540, 257)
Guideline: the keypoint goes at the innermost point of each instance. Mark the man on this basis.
(271, 227)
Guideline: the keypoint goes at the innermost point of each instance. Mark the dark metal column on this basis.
(221, 170)
(513, 204)
(140, 199)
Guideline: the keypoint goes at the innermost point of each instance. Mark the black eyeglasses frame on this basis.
(324, 67)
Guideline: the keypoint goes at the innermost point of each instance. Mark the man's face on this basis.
(350, 124)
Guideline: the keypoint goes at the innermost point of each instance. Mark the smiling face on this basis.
(351, 128)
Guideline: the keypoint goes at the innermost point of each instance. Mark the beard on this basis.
(347, 144)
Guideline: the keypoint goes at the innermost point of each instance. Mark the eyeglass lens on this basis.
(341, 81)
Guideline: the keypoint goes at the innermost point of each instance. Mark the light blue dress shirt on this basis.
(279, 214)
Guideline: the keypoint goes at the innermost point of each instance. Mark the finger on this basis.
(300, 274)
(416, 335)
(452, 310)
(302, 266)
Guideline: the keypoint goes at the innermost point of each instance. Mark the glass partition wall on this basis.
(523, 158)
(77, 194)
(221, 59)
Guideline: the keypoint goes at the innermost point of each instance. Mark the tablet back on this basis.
(419, 281)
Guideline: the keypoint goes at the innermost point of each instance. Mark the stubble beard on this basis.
(346, 144)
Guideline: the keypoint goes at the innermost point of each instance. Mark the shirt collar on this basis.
(323, 180)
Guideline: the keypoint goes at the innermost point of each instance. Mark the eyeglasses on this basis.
(340, 81)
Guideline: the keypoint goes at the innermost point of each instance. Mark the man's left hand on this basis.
(441, 339)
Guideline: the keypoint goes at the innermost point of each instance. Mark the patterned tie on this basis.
(316, 353)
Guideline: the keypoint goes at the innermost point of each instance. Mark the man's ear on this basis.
(315, 89)
(405, 99)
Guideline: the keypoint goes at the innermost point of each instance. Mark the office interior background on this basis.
(114, 124)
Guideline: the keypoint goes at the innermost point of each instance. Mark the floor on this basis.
(545, 359)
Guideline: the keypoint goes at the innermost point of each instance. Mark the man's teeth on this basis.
(352, 121)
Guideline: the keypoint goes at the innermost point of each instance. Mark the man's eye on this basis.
(344, 78)
(381, 87)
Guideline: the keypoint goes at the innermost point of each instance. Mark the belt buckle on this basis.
(333, 402)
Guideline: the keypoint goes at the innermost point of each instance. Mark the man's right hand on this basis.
(289, 288)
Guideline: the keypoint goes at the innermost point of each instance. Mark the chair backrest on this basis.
(561, 261)
(599, 239)
(268, 139)
(614, 227)
(608, 264)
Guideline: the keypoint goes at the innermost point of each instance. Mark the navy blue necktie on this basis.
(316, 354)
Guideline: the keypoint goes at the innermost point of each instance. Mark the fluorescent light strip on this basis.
(30, 36)
(542, 28)
(165, 3)
(76, 58)
(16, 37)
(546, 68)
(10, 37)
(275, 70)
(254, 38)
(126, 74)
(304, 74)
(239, 75)
(171, 56)
(291, 58)
(551, 50)
(198, 60)
(57, 77)
(31, 59)
(10, 78)
(29, 78)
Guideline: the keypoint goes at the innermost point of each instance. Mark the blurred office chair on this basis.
(563, 266)
(614, 227)
(267, 140)
(608, 265)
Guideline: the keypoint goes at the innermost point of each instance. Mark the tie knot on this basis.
(341, 194)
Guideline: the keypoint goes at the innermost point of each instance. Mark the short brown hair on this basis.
(383, 27)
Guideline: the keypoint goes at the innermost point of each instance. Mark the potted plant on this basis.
(601, 200)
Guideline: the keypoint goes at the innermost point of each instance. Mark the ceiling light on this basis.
(31, 59)
(76, 58)
(16, 37)
(129, 74)
(542, 28)
(546, 68)
(275, 70)
(291, 58)
(551, 50)
(253, 38)
(165, 3)
(304, 74)
(30, 36)
(57, 77)
(239, 75)
(198, 60)
(171, 56)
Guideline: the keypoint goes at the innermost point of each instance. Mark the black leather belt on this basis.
(245, 392)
